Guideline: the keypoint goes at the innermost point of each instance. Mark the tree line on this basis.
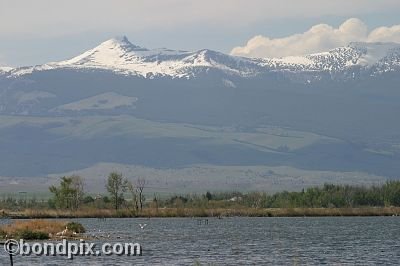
(326, 196)
(128, 194)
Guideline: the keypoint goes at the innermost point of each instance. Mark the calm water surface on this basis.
(243, 241)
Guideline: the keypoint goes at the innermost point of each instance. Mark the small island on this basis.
(41, 230)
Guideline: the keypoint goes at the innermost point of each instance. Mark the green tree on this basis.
(209, 195)
(116, 186)
(69, 194)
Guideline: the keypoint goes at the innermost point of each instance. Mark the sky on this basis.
(40, 31)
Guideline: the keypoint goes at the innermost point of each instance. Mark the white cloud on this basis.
(318, 38)
(385, 34)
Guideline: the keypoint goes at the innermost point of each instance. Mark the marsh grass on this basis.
(33, 229)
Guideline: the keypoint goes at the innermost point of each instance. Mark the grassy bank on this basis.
(213, 212)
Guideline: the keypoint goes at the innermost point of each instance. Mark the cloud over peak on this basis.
(318, 38)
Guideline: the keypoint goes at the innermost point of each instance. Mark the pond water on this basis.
(240, 241)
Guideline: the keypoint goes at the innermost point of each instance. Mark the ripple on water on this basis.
(244, 241)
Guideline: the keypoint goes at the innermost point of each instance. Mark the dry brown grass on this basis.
(46, 226)
(82, 213)
(208, 212)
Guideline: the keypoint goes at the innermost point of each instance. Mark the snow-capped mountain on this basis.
(121, 56)
(54, 87)
(120, 103)
(365, 55)
(5, 69)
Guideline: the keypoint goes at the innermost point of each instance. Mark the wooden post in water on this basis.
(11, 260)
(9, 253)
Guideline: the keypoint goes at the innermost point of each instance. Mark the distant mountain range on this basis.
(329, 117)
(121, 56)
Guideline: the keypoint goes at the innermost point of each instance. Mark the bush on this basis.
(88, 199)
(27, 234)
(76, 227)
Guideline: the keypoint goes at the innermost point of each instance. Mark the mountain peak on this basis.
(121, 39)
(119, 54)
(120, 42)
(111, 53)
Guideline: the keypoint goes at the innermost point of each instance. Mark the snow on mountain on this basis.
(373, 53)
(5, 69)
(355, 54)
(121, 56)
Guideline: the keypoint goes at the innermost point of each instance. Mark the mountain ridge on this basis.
(121, 56)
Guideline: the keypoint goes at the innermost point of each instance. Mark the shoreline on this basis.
(198, 213)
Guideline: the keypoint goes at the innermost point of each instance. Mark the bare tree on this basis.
(77, 185)
(132, 190)
(140, 185)
(155, 202)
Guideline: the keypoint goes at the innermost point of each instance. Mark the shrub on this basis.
(88, 199)
(76, 227)
(28, 234)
